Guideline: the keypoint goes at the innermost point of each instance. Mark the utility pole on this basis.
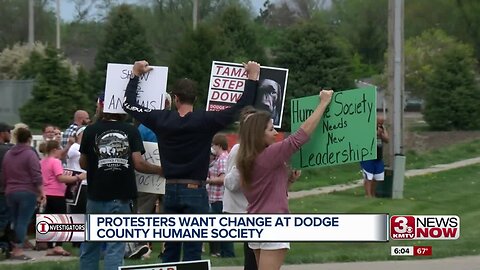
(396, 158)
(58, 24)
(195, 14)
(31, 24)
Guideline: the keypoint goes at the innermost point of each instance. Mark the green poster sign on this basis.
(347, 132)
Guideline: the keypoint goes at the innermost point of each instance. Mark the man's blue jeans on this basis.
(21, 205)
(90, 251)
(179, 199)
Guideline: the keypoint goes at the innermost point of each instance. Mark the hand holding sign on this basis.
(326, 96)
(253, 70)
(140, 68)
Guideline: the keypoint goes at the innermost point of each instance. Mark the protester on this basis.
(147, 203)
(80, 118)
(73, 154)
(111, 150)
(5, 232)
(73, 163)
(14, 131)
(184, 138)
(233, 199)
(374, 170)
(54, 186)
(262, 165)
(215, 190)
(23, 189)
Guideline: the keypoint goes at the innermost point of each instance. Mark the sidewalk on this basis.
(39, 256)
(453, 263)
(409, 173)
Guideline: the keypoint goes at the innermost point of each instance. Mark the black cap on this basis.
(5, 127)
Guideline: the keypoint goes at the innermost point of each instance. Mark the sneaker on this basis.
(147, 254)
(139, 252)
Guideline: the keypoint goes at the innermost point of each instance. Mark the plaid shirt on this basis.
(219, 166)
(69, 132)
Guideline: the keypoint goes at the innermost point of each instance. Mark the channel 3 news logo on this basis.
(60, 228)
(424, 227)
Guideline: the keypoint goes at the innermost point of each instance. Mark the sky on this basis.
(67, 7)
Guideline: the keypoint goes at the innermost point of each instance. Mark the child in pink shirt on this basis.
(54, 186)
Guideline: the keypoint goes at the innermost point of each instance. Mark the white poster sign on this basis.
(150, 183)
(151, 88)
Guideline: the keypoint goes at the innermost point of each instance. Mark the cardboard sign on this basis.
(152, 87)
(347, 132)
(150, 183)
(190, 265)
(72, 192)
(227, 83)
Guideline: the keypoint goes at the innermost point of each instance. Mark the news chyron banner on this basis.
(424, 227)
(190, 265)
(262, 228)
(60, 227)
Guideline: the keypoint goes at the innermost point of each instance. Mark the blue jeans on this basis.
(179, 199)
(22, 206)
(4, 213)
(90, 251)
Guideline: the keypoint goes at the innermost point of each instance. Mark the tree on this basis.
(124, 42)
(240, 36)
(285, 13)
(12, 59)
(452, 93)
(421, 53)
(194, 55)
(316, 59)
(14, 22)
(363, 23)
(229, 37)
(54, 96)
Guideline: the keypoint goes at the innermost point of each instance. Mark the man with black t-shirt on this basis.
(111, 150)
(184, 140)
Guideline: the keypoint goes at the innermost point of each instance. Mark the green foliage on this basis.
(193, 58)
(82, 86)
(12, 59)
(363, 23)
(79, 36)
(316, 59)
(14, 22)
(229, 37)
(421, 53)
(240, 36)
(360, 69)
(54, 97)
(124, 42)
(452, 93)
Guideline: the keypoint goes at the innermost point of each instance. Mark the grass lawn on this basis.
(453, 192)
(347, 173)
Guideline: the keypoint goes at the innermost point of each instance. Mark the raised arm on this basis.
(130, 104)
(311, 123)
